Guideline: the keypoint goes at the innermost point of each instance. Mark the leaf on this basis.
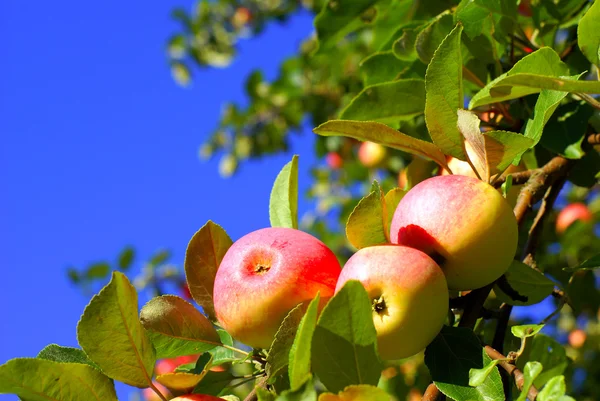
(384, 135)
(111, 335)
(487, 17)
(97, 270)
(553, 390)
(299, 357)
(507, 185)
(223, 355)
(306, 392)
(502, 148)
(180, 381)
(523, 285)
(392, 199)
(531, 371)
(357, 393)
(404, 46)
(549, 353)
(542, 62)
(338, 18)
(381, 67)
(214, 383)
(203, 256)
(451, 356)
(264, 394)
(367, 224)
(478, 376)
(443, 83)
(177, 328)
(566, 131)
(126, 258)
(279, 353)
(203, 362)
(588, 35)
(387, 102)
(283, 206)
(43, 380)
(526, 330)
(159, 258)
(56, 353)
(344, 343)
(590, 264)
(430, 38)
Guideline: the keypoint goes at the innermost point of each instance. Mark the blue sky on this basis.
(99, 150)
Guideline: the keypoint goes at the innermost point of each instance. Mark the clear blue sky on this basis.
(99, 150)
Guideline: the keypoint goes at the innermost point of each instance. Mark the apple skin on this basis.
(462, 223)
(370, 154)
(570, 214)
(414, 292)
(196, 397)
(264, 275)
(334, 160)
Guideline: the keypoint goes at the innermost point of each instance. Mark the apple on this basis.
(149, 395)
(409, 296)
(267, 273)
(370, 154)
(463, 223)
(241, 17)
(165, 366)
(334, 160)
(570, 214)
(196, 397)
(577, 338)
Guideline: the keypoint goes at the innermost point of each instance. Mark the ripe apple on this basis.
(463, 223)
(570, 214)
(196, 397)
(149, 395)
(241, 17)
(370, 154)
(409, 296)
(267, 273)
(334, 160)
(165, 366)
(577, 338)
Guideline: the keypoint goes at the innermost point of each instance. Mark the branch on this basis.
(511, 370)
(594, 139)
(252, 396)
(433, 394)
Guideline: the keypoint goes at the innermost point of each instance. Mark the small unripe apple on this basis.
(409, 296)
(196, 397)
(570, 214)
(334, 160)
(264, 275)
(462, 223)
(371, 154)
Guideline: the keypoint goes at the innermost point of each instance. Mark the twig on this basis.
(432, 393)
(472, 77)
(512, 371)
(594, 139)
(252, 396)
(157, 391)
(590, 99)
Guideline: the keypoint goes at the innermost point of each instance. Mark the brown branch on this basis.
(512, 370)
(252, 396)
(594, 139)
(432, 393)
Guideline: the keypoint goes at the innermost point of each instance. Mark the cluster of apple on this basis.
(448, 232)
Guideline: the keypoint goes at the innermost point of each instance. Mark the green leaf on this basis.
(43, 380)
(478, 376)
(387, 102)
(507, 185)
(177, 328)
(404, 46)
(97, 270)
(264, 394)
(204, 361)
(487, 17)
(430, 38)
(214, 383)
(367, 224)
(203, 256)
(159, 258)
(549, 353)
(553, 390)
(566, 131)
(57, 353)
(299, 361)
(526, 330)
(542, 64)
(306, 392)
(338, 18)
(283, 206)
(382, 67)
(344, 343)
(279, 352)
(384, 135)
(392, 199)
(223, 355)
(531, 371)
(451, 356)
(590, 264)
(443, 83)
(503, 147)
(111, 335)
(588, 34)
(523, 285)
(126, 258)
(360, 392)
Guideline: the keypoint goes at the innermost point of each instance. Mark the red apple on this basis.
(165, 366)
(196, 397)
(334, 160)
(572, 213)
(241, 17)
(463, 223)
(371, 154)
(149, 395)
(409, 296)
(267, 273)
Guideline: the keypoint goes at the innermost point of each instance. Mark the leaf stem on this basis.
(234, 349)
(157, 391)
(589, 99)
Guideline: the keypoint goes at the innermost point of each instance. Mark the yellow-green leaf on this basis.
(180, 381)
(588, 34)
(367, 223)
(283, 205)
(362, 392)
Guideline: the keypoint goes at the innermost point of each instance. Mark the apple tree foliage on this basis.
(497, 83)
